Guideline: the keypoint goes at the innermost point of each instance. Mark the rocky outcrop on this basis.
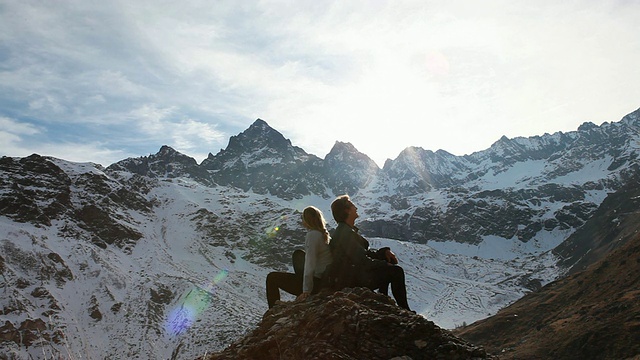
(28, 333)
(349, 324)
(33, 190)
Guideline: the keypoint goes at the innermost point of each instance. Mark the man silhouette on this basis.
(354, 264)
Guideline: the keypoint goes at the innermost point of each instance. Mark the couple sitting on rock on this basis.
(338, 261)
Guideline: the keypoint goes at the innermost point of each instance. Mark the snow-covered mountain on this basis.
(592, 313)
(161, 257)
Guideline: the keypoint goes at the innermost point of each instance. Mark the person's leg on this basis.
(398, 287)
(319, 284)
(288, 282)
(379, 280)
(273, 291)
(297, 259)
(383, 288)
(393, 275)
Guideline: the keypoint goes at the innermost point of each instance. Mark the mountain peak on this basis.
(259, 123)
(372, 322)
(632, 118)
(262, 159)
(349, 170)
(421, 170)
(256, 144)
(256, 137)
(166, 149)
(262, 128)
(169, 154)
(343, 146)
(346, 155)
(586, 126)
(346, 152)
(167, 162)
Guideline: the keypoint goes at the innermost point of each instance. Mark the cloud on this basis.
(510, 70)
(184, 134)
(383, 75)
(12, 134)
(12, 126)
(17, 139)
(189, 136)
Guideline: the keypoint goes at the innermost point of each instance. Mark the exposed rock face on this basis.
(614, 224)
(349, 324)
(39, 190)
(34, 190)
(29, 332)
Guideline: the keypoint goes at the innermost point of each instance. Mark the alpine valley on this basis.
(160, 257)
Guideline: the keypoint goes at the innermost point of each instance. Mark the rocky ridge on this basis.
(89, 251)
(535, 186)
(348, 324)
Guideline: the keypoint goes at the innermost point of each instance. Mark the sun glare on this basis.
(195, 302)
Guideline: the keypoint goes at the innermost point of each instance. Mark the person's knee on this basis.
(397, 272)
(298, 258)
(272, 278)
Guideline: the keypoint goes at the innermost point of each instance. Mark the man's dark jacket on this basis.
(353, 261)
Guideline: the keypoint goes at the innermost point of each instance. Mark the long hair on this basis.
(312, 219)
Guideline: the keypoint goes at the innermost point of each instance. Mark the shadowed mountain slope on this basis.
(613, 224)
(594, 314)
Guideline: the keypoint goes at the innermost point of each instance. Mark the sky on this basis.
(101, 81)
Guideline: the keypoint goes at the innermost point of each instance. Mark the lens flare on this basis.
(195, 302)
(272, 230)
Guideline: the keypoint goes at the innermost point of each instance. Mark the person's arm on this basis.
(384, 253)
(390, 256)
(358, 254)
(311, 259)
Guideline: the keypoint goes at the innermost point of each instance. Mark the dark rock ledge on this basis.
(349, 324)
